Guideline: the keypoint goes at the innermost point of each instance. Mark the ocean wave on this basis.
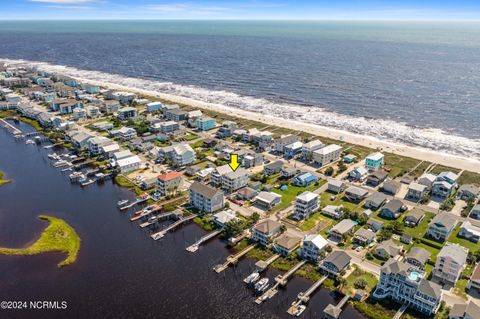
(386, 130)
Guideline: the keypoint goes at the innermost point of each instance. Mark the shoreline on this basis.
(423, 154)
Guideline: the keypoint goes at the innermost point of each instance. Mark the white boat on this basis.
(300, 310)
(29, 142)
(261, 285)
(122, 202)
(252, 278)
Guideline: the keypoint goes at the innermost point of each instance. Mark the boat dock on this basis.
(280, 280)
(233, 259)
(163, 232)
(138, 201)
(304, 297)
(160, 217)
(145, 212)
(332, 311)
(400, 311)
(261, 265)
(14, 130)
(194, 247)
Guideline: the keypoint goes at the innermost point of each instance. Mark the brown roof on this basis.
(267, 226)
(169, 176)
(288, 241)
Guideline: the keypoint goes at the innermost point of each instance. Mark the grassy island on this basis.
(57, 237)
(2, 180)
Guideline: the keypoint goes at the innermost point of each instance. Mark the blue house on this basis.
(154, 106)
(92, 89)
(293, 149)
(205, 123)
(71, 82)
(305, 179)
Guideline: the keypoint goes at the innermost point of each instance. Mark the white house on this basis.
(327, 154)
(312, 247)
(306, 204)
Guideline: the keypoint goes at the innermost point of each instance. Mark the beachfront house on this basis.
(451, 261)
(441, 226)
(313, 248)
(306, 204)
(444, 184)
(309, 148)
(176, 115)
(374, 161)
(205, 198)
(205, 123)
(468, 192)
(265, 231)
(427, 179)
(293, 149)
(327, 154)
(154, 107)
(283, 141)
(416, 191)
(169, 183)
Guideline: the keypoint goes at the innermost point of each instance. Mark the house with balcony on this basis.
(416, 191)
(374, 161)
(407, 285)
(342, 230)
(427, 179)
(469, 231)
(377, 177)
(267, 200)
(283, 141)
(474, 282)
(235, 180)
(417, 257)
(179, 154)
(335, 264)
(205, 123)
(450, 263)
(475, 212)
(356, 194)
(305, 180)
(169, 183)
(273, 168)
(388, 249)
(444, 185)
(468, 192)
(266, 231)
(286, 243)
(359, 174)
(313, 248)
(471, 310)
(205, 198)
(176, 115)
(306, 204)
(441, 226)
(327, 154)
(335, 186)
(310, 147)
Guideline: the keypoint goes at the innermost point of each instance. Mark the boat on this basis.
(261, 285)
(60, 163)
(38, 139)
(252, 278)
(29, 142)
(122, 202)
(300, 310)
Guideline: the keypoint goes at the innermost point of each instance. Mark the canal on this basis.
(120, 271)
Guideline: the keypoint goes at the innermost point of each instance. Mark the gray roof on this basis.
(394, 205)
(418, 253)
(392, 183)
(377, 198)
(443, 219)
(430, 288)
(357, 191)
(454, 251)
(338, 258)
(390, 247)
(395, 267)
(469, 188)
(274, 165)
(379, 174)
(204, 190)
(344, 226)
(415, 214)
(365, 233)
(267, 226)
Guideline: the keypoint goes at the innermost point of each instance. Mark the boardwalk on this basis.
(232, 259)
(304, 297)
(194, 247)
(163, 232)
(14, 130)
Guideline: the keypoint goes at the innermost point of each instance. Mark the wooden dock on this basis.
(14, 130)
(194, 247)
(261, 265)
(160, 217)
(163, 232)
(304, 297)
(334, 311)
(280, 280)
(233, 259)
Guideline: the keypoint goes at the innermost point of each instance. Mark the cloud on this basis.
(63, 1)
(185, 8)
(68, 7)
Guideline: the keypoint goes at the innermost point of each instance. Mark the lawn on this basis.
(399, 165)
(2, 180)
(57, 237)
(472, 247)
(288, 196)
(313, 221)
(441, 168)
(468, 177)
(417, 172)
(420, 230)
(357, 274)
(197, 144)
(326, 199)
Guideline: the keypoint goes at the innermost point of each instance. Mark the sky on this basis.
(242, 9)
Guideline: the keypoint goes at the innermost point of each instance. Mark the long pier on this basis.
(233, 259)
(304, 297)
(15, 131)
(146, 212)
(163, 232)
(400, 311)
(138, 201)
(261, 265)
(194, 247)
(280, 280)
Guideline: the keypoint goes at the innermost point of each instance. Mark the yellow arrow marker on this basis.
(234, 162)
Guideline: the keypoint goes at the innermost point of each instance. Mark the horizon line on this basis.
(247, 19)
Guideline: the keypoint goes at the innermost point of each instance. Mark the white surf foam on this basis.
(387, 130)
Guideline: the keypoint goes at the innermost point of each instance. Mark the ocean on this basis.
(414, 83)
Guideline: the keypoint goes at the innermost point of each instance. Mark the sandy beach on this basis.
(405, 150)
